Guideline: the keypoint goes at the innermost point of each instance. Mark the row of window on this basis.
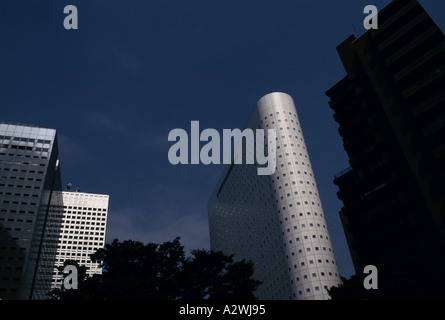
(16, 220)
(315, 194)
(91, 237)
(301, 182)
(282, 128)
(20, 186)
(303, 225)
(25, 139)
(92, 267)
(308, 290)
(21, 178)
(298, 203)
(23, 195)
(9, 268)
(86, 227)
(246, 191)
(85, 196)
(81, 233)
(81, 215)
(27, 148)
(279, 121)
(283, 137)
(292, 145)
(306, 237)
(314, 275)
(292, 173)
(16, 229)
(14, 211)
(19, 155)
(296, 162)
(283, 112)
(85, 208)
(2, 257)
(24, 163)
(22, 170)
(244, 185)
(293, 153)
(16, 194)
(78, 245)
(68, 221)
(300, 251)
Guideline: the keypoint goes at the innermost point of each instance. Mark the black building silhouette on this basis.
(390, 108)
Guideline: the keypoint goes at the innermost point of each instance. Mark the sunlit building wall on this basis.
(277, 221)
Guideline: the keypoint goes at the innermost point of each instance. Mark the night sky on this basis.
(134, 70)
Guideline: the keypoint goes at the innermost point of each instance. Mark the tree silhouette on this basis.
(67, 293)
(416, 280)
(136, 271)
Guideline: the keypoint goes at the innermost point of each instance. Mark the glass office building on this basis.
(276, 221)
(31, 210)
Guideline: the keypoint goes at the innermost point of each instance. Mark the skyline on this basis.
(115, 87)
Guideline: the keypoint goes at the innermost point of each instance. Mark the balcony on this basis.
(434, 126)
(399, 33)
(428, 79)
(389, 22)
(380, 186)
(430, 54)
(428, 104)
(410, 45)
(440, 151)
(343, 172)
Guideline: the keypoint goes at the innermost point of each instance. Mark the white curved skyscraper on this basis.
(277, 220)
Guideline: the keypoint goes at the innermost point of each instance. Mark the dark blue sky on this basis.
(134, 70)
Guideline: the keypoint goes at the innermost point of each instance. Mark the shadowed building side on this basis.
(390, 108)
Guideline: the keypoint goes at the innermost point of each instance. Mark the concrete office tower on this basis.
(30, 210)
(276, 221)
(83, 231)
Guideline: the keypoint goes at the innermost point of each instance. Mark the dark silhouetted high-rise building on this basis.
(390, 108)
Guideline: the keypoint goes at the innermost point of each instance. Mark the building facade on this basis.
(30, 210)
(276, 221)
(83, 231)
(390, 108)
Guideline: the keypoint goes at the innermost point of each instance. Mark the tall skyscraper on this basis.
(276, 221)
(391, 111)
(30, 210)
(83, 231)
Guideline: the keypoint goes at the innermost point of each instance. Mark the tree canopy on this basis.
(136, 271)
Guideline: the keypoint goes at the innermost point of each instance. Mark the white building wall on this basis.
(83, 231)
(276, 221)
